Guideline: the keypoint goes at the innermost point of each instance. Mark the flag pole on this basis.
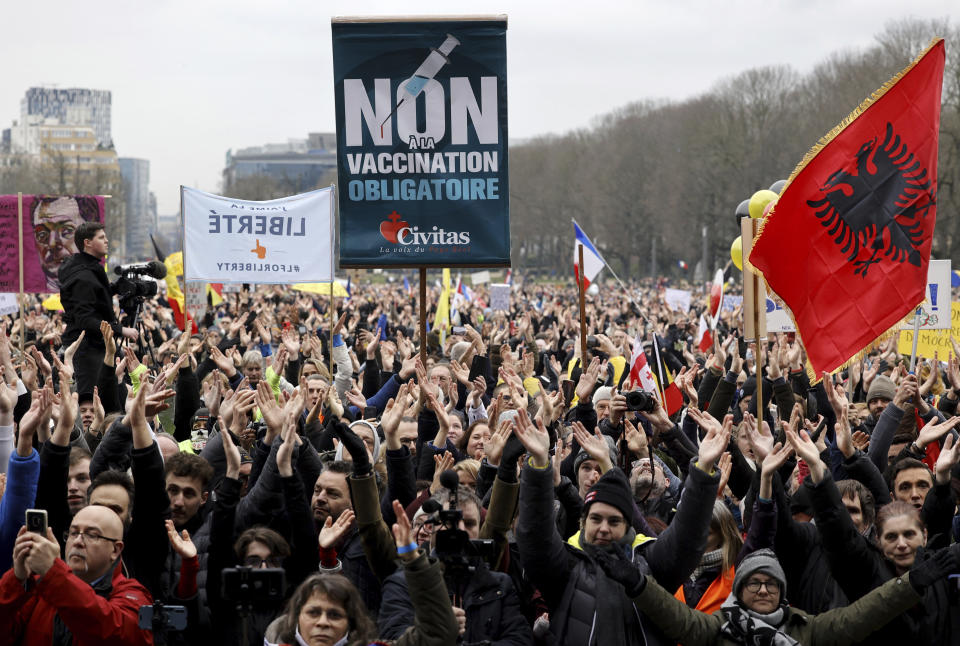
(583, 312)
(612, 273)
(656, 355)
(757, 287)
(916, 334)
(423, 316)
(23, 324)
(332, 325)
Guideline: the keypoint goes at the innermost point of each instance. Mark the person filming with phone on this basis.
(83, 600)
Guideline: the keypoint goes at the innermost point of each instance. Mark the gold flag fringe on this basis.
(809, 157)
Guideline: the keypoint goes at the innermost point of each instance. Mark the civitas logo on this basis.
(398, 231)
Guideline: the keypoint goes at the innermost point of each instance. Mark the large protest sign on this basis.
(49, 223)
(677, 300)
(288, 240)
(421, 109)
(500, 297)
(931, 341)
(936, 303)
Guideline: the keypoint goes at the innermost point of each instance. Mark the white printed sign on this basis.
(8, 304)
(677, 300)
(288, 240)
(777, 318)
(195, 298)
(500, 297)
(937, 301)
(480, 277)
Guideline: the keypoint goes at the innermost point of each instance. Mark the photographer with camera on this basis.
(85, 294)
(485, 603)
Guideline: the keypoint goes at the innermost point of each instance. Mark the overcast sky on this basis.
(192, 79)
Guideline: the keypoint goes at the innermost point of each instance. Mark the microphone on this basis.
(450, 479)
(431, 506)
(154, 268)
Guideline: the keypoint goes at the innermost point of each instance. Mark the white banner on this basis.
(289, 240)
(8, 304)
(480, 277)
(677, 300)
(500, 297)
(937, 301)
(777, 318)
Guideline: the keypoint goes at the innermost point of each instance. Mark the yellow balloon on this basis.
(736, 253)
(759, 201)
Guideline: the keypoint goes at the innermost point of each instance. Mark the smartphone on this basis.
(369, 412)
(169, 617)
(251, 317)
(459, 329)
(568, 388)
(37, 521)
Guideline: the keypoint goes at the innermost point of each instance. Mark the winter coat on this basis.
(104, 615)
(859, 567)
(434, 623)
(835, 627)
(22, 474)
(86, 298)
(490, 601)
(570, 580)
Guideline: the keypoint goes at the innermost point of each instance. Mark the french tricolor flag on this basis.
(592, 260)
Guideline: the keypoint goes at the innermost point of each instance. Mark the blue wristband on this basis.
(406, 549)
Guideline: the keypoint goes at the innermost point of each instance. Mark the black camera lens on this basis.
(640, 400)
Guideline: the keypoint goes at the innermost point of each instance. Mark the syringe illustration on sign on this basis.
(413, 86)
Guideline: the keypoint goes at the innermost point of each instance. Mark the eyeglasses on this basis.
(88, 535)
(754, 586)
(257, 562)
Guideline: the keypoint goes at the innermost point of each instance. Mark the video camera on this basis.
(131, 290)
(247, 586)
(459, 553)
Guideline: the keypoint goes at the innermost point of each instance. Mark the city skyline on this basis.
(244, 75)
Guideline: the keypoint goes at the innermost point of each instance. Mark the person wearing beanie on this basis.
(586, 605)
(757, 612)
(601, 401)
(882, 391)
(589, 468)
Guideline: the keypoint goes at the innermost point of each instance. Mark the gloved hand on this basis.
(512, 450)
(928, 571)
(355, 447)
(616, 566)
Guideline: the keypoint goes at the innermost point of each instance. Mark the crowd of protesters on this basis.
(506, 491)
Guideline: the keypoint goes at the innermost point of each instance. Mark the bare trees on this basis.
(670, 170)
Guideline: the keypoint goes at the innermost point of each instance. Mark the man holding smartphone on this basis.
(45, 600)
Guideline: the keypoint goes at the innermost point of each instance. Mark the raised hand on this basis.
(441, 462)
(269, 409)
(933, 432)
(760, 438)
(180, 543)
(588, 381)
(534, 438)
(231, 453)
(715, 442)
(285, 451)
(403, 532)
(493, 448)
(334, 530)
(594, 444)
(771, 464)
(808, 451)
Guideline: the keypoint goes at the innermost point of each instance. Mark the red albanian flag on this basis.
(847, 245)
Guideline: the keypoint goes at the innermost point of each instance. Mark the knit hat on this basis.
(764, 561)
(583, 456)
(601, 393)
(376, 440)
(881, 387)
(612, 488)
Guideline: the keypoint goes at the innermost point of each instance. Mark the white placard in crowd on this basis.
(777, 318)
(233, 288)
(8, 304)
(677, 300)
(480, 277)
(937, 303)
(731, 302)
(500, 297)
(288, 240)
(195, 298)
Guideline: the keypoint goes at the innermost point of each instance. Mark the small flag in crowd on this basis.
(592, 261)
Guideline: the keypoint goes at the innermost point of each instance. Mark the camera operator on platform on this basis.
(86, 298)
